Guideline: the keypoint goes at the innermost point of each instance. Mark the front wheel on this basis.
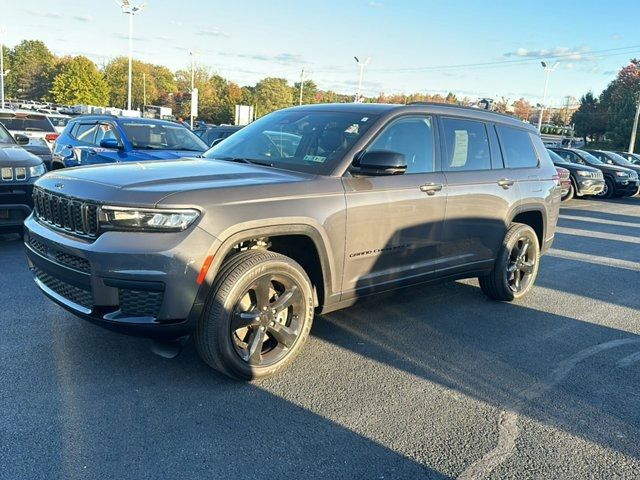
(516, 268)
(569, 194)
(258, 316)
(608, 190)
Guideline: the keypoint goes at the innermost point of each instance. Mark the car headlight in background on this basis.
(583, 173)
(37, 170)
(622, 174)
(141, 219)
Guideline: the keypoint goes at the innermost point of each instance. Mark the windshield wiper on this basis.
(245, 160)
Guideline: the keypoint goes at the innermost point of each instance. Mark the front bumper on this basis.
(134, 283)
(589, 186)
(627, 188)
(16, 203)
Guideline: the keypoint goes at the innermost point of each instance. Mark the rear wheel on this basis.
(516, 268)
(258, 316)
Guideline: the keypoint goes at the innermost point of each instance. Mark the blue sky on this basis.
(413, 45)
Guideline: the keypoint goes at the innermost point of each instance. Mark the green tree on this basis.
(80, 82)
(619, 100)
(590, 119)
(31, 67)
(272, 94)
(309, 92)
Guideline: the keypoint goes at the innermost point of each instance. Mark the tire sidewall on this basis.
(515, 234)
(223, 307)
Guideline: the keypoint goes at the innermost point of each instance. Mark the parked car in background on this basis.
(631, 157)
(619, 181)
(36, 126)
(59, 121)
(585, 180)
(38, 130)
(564, 179)
(92, 139)
(18, 171)
(215, 134)
(612, 158)
(242, 247)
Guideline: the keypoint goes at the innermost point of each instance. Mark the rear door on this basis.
(481, 194)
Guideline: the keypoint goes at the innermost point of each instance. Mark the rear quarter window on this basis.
(517, 149)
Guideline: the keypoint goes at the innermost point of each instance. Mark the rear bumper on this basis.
(111, 283)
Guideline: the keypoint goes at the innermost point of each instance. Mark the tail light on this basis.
(51, 137)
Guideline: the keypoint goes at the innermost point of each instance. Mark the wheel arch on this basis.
(534, 216)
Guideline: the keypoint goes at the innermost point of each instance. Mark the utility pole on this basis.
(544, 94)
(301, 85)
(361, 65)
(632, 142)
(193, 82)
(2, 72)
(130, 10)
(144, 93)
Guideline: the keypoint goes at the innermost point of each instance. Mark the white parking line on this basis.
(595, 259)
(601, 221)
(605, 236)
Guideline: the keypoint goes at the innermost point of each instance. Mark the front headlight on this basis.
(37, 170)
(141, 219)
(622, 174)
(583, 173)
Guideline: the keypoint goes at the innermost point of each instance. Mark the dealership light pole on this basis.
(632, 142)
(361, 65)
(2, 72)
(193, 84)
(544, 94)
(130, 10)
(301, 85)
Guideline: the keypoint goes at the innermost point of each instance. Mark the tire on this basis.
(569, 194)
(609, 189)
(498, 285)
(248, 291)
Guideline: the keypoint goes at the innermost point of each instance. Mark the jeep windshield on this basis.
(156, 136)
(305, 141)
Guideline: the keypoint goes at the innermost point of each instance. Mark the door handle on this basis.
(506, 183)
(431, 188)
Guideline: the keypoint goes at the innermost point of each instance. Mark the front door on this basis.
(394, 223)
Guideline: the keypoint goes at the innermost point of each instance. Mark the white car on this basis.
(36, 126)
(59, 121)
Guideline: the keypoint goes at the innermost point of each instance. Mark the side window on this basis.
(572, 157)
(85, 132)
(517, 148)
(105, 131)
(466, 145)
(413, 137)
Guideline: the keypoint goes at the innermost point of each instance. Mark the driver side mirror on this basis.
(382, 162)
(21, 139)
(109, 143)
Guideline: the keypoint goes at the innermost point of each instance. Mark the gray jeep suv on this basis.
(304, 211)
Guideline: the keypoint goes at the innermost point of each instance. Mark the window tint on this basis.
(22, 123)
(105, 131)
(85, 132)
(466, 145)
(412, 137)
(517, 148)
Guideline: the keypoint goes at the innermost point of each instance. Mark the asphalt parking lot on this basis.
(428, 382)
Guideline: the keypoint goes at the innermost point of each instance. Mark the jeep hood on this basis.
(147, 183)
(14, 156)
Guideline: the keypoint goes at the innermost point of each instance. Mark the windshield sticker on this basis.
(314, 158)
(352, 129)
(364, 119)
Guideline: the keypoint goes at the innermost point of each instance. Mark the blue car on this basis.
(95, 139)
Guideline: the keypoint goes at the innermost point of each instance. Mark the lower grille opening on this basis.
(140, 303)
(63, 258)
(72, 293)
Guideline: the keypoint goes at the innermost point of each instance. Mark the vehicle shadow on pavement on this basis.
(82, 402)
(501, 353)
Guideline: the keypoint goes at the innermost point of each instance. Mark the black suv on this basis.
(585, 180)
(619, 181)
(18, 171)
(612, 158)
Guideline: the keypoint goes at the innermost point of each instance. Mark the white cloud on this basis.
(83, 18)
(576, 54)
(212, 32)
(43, 14)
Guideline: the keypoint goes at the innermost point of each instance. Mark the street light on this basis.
(3, 31)
(544, 95)
(632, 142)
(193, 84)
(130, 10)
(361, 65)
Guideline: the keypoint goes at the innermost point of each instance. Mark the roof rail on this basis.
(452, 105)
